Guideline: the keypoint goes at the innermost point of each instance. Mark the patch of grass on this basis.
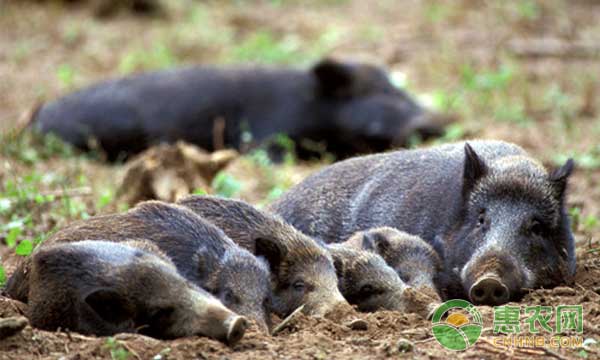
(30, 147)
(265, 47)
(158, 57)
(437, 11)
(116, 349)
(2, 276)
(589, 160)
(226, 185)
(527, 9)
(66, 76)
(588, 223)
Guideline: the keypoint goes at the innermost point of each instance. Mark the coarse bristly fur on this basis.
(202, 253)
(102, 288)
(366, 280)
(302, 271)
(416, 262)
(349, 107)
(497, 211)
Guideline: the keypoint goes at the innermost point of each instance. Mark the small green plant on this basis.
(589, 160)
(66, 75)
(158, 57)
(487, 80)
(226, 185)
(2, 275)
(265, 47)
(116, 349)
(528, 9)
(30, 147)
(25, 248)
(200, 191)
(437, 11)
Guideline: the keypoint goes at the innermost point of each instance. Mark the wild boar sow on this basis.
(350, 107)
(499, 215)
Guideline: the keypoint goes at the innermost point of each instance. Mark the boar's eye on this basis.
(299, 285)
(536, 228)
(230, 298)
(267, 303)
(481, 218)
(367, 289)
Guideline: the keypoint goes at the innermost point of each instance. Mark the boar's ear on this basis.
(334, 79)
(474, 169)
(376, 243)
(111, 306)
(207, 262)
(338, 263)
(272, 251)
(558, 177)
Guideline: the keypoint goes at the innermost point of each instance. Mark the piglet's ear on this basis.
(334, 79)
(207, 263)
(559, 176)
(474, 169)
(376, 243)
(338, 263)
(110, 305)
(272, 251)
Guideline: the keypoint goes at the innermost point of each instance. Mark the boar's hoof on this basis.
(489, 291)
(236, 328)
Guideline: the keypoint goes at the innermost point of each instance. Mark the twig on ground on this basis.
(287, 321)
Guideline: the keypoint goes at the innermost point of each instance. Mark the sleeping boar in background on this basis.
(341, 108)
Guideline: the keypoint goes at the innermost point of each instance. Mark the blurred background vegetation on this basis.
(523, 71)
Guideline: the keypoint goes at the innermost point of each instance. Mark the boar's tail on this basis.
(17, 286)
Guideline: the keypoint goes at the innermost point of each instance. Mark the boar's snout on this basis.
(493, 278)
(323, 305)
(236, 327)
(489, 290)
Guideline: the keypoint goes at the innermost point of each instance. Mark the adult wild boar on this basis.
(302, 271)
(103, 288)
(350, 107)
(500, 215)
(202, 253)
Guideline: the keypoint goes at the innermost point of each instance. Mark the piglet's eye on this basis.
(481, 218)
(367, 289)
(299, 285)
(536, 228)
(230, 297)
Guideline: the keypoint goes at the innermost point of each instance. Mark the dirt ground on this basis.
(522, 71)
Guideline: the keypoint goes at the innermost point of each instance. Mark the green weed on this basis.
(226, 185)
(158, 57)
(116, 349)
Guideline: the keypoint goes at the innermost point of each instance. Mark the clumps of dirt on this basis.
(169, 172)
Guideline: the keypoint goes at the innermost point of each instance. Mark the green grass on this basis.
(116, 349)
(263, 46)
